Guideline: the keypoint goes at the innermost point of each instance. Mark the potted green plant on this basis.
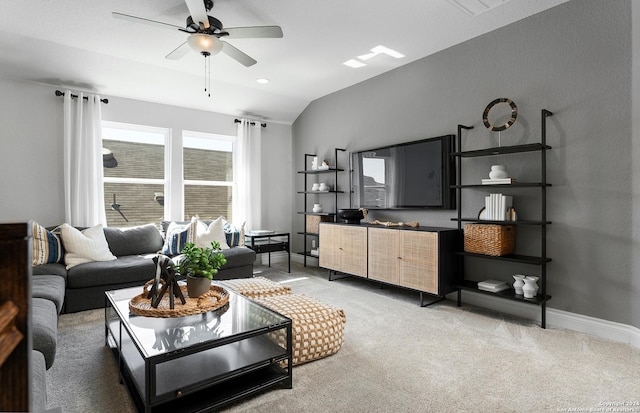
(199, 265)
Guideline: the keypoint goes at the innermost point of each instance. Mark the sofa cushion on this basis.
(238, 257)
(144, 239)
(45, 329)
(234, 234)
(85, 246)
(50, 269)
(206, 234)
(178, 236)
(126, 269)
(50, 287)
(47, 245)
(39, 382)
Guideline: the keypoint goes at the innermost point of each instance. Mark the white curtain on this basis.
(83, 190)
(247, 192)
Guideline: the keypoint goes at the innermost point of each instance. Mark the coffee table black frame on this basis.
(200, 362)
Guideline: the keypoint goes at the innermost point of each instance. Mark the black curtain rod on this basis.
(59, 93)
(264, 125)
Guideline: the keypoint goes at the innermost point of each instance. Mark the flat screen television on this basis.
(411, 175)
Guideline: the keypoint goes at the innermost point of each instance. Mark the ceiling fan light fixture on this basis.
(205, 43)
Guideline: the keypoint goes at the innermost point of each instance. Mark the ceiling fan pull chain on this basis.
(205, 73)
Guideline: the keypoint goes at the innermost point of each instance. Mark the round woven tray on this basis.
(215, 298)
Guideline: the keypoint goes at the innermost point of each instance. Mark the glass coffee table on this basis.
(198, 362)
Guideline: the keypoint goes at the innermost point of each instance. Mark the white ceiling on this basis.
(78, 44)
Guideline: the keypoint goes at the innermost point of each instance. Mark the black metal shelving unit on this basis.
(306, 252)
(541, 260)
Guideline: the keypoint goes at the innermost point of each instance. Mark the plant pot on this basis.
(196, 286)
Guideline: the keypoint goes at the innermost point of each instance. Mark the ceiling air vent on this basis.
(477, 7)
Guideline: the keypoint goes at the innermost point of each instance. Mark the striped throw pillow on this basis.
(234, 234)
(178, 236)
(47, 245)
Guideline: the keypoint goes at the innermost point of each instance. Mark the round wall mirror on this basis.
(500, 114)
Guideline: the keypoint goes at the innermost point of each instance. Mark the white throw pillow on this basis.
(214, 232)
(84, 246)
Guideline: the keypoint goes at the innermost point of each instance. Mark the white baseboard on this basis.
(559, 319)
(594, 326)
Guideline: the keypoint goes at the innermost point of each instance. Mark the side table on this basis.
(269, 242)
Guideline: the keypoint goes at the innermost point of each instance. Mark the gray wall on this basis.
(31, 130)
(574, 60)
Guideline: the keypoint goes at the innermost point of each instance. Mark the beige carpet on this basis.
(397, 357)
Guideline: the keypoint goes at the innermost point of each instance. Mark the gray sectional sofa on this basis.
(85, 284)
(56, 289)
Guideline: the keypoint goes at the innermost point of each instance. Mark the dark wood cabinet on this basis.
(419, 259)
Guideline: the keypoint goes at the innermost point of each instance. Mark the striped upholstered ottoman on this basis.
(318, 328)
(256, 287)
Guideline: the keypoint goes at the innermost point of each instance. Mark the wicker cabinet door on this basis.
(384, 255)
(353, 245)
(329, 247)
(419, 260)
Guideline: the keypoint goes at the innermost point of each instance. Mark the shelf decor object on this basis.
(501, 126)
(490, 239)
(480, 224)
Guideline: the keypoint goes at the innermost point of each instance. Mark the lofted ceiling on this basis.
(80, 45)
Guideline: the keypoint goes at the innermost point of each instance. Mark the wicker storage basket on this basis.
(490, 239)
(313, 222)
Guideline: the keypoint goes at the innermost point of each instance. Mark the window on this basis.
(134, 173)
(208, 175)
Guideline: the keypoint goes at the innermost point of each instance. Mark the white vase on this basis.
(498, 172)
(315, 187)
(317, 208)
(530, 288)
(324, 187)
(519, 283)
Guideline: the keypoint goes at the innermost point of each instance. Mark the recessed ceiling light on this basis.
(381, 50)
(262, 81)
(354, 63)
(476, 7)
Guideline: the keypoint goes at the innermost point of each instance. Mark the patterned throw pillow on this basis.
(178, 236)
(47, 245)
(235, 235)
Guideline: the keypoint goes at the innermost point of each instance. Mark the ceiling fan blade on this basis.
(238, 55)
(179, 52)
(254, 32)
(145, 21)
(198, 12)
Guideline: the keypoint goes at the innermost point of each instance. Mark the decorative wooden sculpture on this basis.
(165, 277)
(413, 224)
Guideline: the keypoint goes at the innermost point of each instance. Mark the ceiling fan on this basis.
(206, 33)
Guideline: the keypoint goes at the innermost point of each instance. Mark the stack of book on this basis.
(499, 207)
(492, 286)
(499, 181)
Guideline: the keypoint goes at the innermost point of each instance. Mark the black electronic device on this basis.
(411, 175)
